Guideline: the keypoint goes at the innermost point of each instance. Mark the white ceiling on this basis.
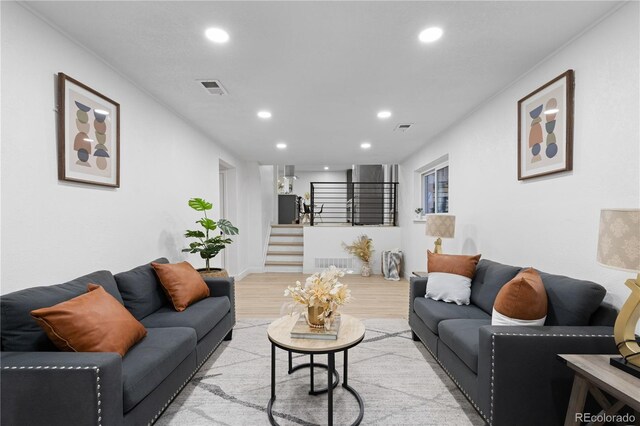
(323, 69)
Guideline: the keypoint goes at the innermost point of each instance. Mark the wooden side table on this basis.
(593, 374)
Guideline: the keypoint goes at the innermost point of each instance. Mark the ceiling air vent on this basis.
(213, 87)
(403, 127)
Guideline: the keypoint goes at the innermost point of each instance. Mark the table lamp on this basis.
(619, 248)
(441, 226)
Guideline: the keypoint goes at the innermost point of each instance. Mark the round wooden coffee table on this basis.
(350, 334)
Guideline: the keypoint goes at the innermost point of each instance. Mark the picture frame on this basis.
(88, 135)
(545, 128)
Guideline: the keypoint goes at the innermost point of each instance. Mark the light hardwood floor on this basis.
(262, 296)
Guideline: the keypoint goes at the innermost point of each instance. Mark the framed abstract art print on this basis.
(88, 135)
(545, 129)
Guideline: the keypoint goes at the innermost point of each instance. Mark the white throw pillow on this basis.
(498, 319)
(450, 288)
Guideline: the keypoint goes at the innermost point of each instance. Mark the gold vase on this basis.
(313, 312)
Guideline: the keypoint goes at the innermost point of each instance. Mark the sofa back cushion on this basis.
(571, 301)
(489, 279)
(20, 332)
(141, 290)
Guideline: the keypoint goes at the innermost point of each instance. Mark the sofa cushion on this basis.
(571, 301)
(202, 316)
(141, 290)
(149, 362)
(462, 336)
(489, 279)
(431, 312)
(182, 283)
(20, 332)
(92, 322)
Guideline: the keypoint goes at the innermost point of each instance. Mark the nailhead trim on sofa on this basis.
(62, 367)
(493, 353)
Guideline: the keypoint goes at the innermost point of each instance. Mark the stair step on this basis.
(285, 253)
(286, 239)
(284, 234)
(284, 243)
(283, 263)
(281, 269)
(286, 226)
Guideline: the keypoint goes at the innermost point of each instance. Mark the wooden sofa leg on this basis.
(415, 337)
(228, 336)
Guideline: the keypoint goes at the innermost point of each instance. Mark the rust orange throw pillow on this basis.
(92, 322)
(521, 301)
(182, 283)
(452, 264)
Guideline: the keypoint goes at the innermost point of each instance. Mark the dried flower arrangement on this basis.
(362, 248)
(321, 290)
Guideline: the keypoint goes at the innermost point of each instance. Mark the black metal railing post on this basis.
(313, 201)
(353, 203)
(395, 204)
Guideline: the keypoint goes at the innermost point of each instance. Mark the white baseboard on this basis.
(247, 271)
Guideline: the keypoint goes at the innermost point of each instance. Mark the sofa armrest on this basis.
(521, 381)
(61, 388)
(417, 288)
(219, 287)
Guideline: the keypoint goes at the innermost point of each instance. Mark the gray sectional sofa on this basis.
(41, 385)
(511, 374)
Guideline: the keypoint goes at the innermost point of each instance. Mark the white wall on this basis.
(269, 209)
(53, 231)
(549, 223)
(326, 242)
(303, 183)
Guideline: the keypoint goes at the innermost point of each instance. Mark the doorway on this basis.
(227, 200)
(222, 181)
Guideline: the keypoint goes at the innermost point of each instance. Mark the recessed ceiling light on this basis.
(281, 145)
(217, 35)
(551, 111)
(365, 145)
(87, 139)
(430, 34)
(384, 114)
(326, 167)
(264, 114)
(101, 111)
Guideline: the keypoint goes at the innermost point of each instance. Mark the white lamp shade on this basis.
(441, 225)
(619, 239)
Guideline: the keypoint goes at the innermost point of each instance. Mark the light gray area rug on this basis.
(400, 382)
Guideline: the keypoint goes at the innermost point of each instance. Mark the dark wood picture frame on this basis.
(531, 138)
(104, 147)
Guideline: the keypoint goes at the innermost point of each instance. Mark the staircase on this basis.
(286, 249)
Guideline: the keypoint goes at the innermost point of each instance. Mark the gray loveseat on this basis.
(511, 374)
(41, 385)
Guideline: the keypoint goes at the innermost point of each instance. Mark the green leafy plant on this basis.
(419, 210)
(208, 247)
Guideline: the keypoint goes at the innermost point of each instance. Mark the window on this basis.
(435, 190)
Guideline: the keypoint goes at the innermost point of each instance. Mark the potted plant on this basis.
(362, 248)
(207, 246)
(418, 213)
